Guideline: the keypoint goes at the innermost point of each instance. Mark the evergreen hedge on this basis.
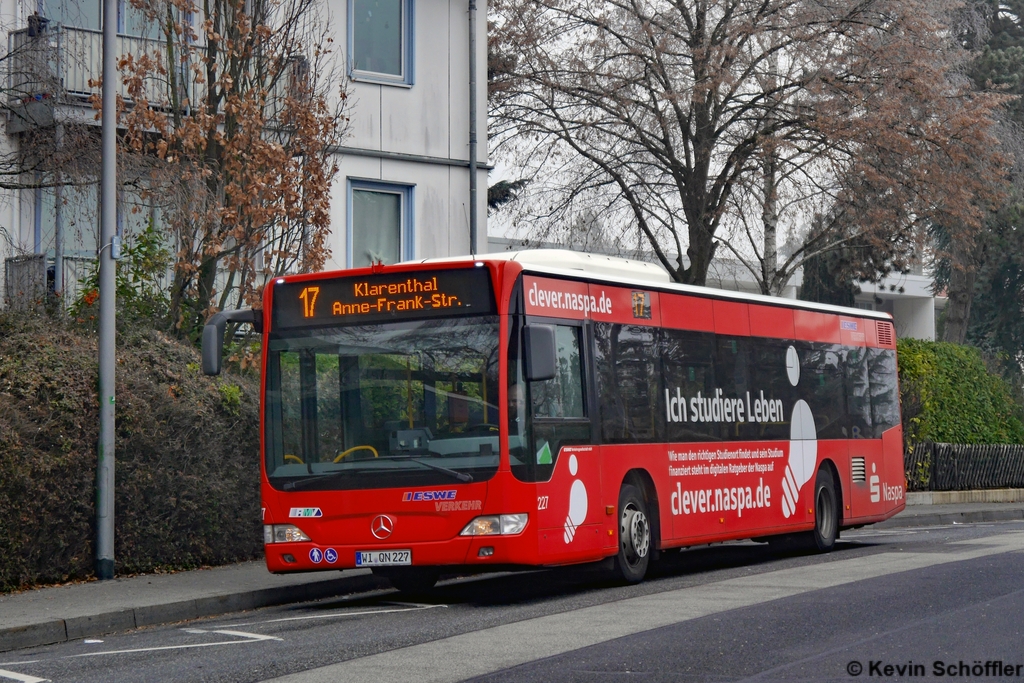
(187, 469)
(949, 396)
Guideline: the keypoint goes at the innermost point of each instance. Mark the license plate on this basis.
(383, 558)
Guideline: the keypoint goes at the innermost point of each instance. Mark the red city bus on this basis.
(499, 411)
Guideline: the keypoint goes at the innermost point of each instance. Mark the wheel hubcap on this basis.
(635, 534)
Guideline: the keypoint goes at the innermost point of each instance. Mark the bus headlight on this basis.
(495, 525)
(283, 533)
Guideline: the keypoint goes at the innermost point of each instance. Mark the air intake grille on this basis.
(885, 336)
(857, 470)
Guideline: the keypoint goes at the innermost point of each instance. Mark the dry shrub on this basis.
(187, 469)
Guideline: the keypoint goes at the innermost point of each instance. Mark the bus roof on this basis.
(616, 270)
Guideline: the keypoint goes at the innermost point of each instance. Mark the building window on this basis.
(379, 223)
(380, 40)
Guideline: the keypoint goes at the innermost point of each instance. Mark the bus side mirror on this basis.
(540, 352)
(213, 335)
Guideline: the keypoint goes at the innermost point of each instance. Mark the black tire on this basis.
(826, 522)
(635, 542)
(410, 580)
(826, 512)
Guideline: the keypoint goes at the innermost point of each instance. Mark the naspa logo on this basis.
(423, 496)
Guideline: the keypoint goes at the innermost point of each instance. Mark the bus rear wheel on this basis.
(826, 512)
(634, 536)
(826, 521)
(410, 580)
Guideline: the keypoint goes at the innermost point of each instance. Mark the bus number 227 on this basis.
(542, 502)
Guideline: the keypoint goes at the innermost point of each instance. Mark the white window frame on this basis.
(408, 50)
(406, 231)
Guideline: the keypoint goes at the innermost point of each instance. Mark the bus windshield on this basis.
(410, 403)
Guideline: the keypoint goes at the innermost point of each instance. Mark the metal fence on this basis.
(57, 64)
(963, 467)
(61, 64)
(28, 281)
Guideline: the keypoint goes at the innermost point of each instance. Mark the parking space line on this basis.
(338, 615)
(21, 678)
(247, 638)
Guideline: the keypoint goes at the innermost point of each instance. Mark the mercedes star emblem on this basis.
(382, 526)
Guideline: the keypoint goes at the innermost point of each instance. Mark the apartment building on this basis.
(403, 188)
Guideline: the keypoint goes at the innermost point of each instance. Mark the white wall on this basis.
(440, 212)
(430, 118)
(914, 317)
(430, 121)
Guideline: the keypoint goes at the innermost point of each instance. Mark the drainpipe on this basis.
(472, 128)
(58, 224)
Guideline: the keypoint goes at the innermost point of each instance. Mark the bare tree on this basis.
(238, 118)
(709, 123)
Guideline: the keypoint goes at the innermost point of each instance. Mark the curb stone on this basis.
(63, 630)
(954, 497)
(941, 519)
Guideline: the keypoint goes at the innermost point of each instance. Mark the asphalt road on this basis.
(907, 598)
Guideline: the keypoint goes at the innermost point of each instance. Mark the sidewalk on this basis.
(53, 615)
(958, 507)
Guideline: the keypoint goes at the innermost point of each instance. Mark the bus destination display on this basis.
(381, 298)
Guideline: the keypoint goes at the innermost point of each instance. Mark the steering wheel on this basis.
(354, 449)
(293, 458)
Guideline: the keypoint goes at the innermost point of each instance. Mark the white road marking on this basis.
(245, 634)
(247, 638)
(338, 615)
(21, 678)
(410, 604)
(499, 648)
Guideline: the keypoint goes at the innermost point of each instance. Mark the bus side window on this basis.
(627, 362)
(557, 405)
(885, 400)
(822, 386)
(858, 393)
(732, 375)
(768, 375)
(561, 396)
(687, 368)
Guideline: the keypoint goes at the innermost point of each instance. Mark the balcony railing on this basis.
(28, 280)
(56, 65)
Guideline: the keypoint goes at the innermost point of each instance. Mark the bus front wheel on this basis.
(634, 536)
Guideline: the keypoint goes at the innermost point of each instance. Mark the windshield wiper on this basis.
(302, 483)
(461, 476)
